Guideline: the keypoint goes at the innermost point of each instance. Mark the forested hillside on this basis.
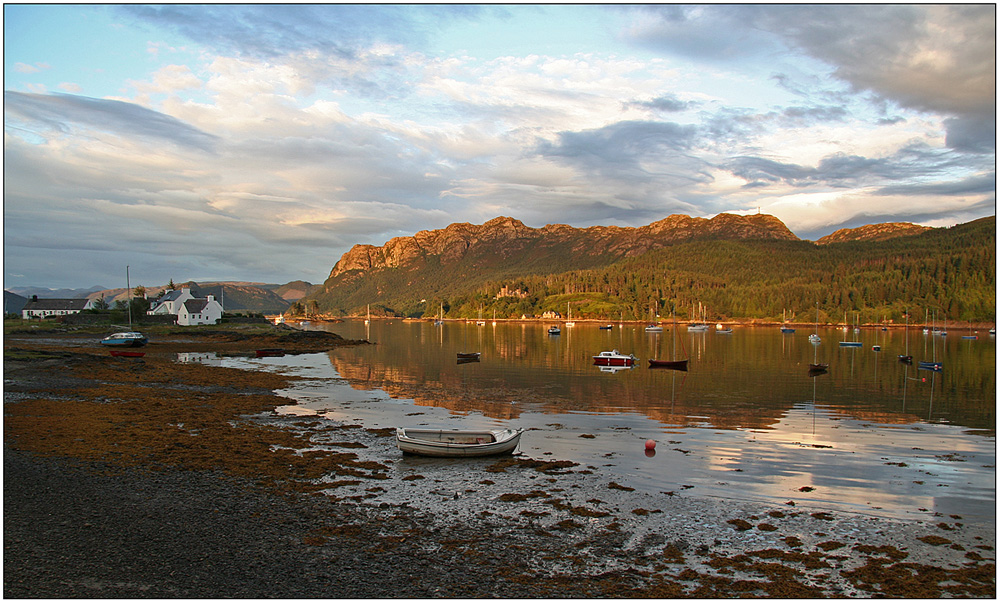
(951, 271)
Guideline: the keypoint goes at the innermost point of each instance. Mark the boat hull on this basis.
(677, 365)
(850, 344)
(468, 355)
(457, 443)
(269, 352)
(601, 361)
(123, 340)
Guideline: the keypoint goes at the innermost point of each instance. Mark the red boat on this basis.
(677, 365)
(614, 358)
(127, 354)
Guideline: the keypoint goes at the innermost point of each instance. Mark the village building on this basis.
(171, 302)
(44, 308)
(506, 291)
(188, 309)
(551, 315)
(197, 311)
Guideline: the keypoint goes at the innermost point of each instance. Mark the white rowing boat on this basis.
(457, 442)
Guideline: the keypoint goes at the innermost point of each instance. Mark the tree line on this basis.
(949, 272)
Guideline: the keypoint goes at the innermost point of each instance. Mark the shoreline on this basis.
(332, 518)
(748, 323)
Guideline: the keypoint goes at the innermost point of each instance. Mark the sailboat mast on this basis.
(128, 287)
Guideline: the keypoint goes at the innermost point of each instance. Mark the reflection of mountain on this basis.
(750, 380)
(426, 389)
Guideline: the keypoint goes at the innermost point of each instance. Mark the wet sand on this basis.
(148, 477)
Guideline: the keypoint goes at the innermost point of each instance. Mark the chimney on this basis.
(211, 298)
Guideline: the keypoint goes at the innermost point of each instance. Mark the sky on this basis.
(260, 142)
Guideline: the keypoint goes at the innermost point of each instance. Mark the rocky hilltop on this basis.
(504, 237)
(873, 232)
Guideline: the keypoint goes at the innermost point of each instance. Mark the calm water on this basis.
(746, 421)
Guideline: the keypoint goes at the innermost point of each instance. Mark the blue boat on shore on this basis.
(125, 339)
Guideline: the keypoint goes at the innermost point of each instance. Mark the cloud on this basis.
(63, 112)
(298, 131)
(936, 58)
(667, 103)
(274, 31)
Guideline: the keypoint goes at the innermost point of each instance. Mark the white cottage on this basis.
(44, 308)
(171, 302)
(197, 311)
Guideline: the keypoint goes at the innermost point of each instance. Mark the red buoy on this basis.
(650, 444)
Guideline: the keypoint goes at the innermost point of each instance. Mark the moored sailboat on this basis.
(130, 338)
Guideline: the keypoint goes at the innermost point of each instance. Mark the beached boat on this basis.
(614, 358)
(130, 338)
(457, 442)
(269, 352)
(125, 339)
(127, 354)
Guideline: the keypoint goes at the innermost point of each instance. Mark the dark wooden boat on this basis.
(905, 358)
(263, 352)
(127, 354)
(468, 355)
(677, 365)
(818, 368)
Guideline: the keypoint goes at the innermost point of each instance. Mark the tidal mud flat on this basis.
(148, 477)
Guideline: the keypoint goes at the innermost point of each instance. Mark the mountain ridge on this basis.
(508, 235)
(744, 266)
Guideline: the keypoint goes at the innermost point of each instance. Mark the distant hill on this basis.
(510, 241)
(748, 267)
(235, 296)
(292, 291)
(873, 232)
(44, 293)
(13, 303)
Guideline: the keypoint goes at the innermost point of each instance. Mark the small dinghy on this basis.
(457, 442)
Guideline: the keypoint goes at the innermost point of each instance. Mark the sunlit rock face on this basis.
(873, 232)
(504, 237)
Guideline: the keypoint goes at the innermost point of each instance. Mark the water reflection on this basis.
(747, 419)
(750, 379)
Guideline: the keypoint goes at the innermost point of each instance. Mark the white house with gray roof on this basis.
(188, 309)
(44, 308)
(171, 302)
(198, 311)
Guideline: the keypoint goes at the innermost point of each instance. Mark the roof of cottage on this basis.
(56, 304)
(195, 306)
